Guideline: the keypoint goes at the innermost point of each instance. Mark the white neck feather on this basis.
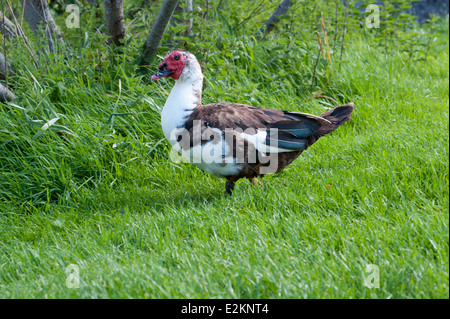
(183, 99)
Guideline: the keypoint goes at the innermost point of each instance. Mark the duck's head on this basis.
(178, 64)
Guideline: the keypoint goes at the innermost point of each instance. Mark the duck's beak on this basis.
(162, 72)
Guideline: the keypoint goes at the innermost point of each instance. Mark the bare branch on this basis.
(158, 30)
(7, 28)
(270, 24)
(219, 6)
(22, 35)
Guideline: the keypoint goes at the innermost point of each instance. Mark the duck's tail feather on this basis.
(302, 130)
(337, 117)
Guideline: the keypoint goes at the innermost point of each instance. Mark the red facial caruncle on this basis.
(172, 66)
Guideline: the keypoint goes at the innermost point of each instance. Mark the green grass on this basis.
(105, 197)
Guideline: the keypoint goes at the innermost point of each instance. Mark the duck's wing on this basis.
(271, 131)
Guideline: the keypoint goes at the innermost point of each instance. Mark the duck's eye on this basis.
(177, 57)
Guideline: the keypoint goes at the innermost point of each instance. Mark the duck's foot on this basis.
(229, 186)
(255, 181)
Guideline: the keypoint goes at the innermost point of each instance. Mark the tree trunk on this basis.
(37, 13)
(5, 94)
(158, 30)
(7, 28)
(270, 24)
(5, 68)
(115, 23)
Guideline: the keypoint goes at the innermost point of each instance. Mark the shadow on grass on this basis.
(145, 200)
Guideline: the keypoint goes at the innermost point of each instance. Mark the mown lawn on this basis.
(106, 198)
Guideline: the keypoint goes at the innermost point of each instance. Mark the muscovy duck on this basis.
(232, 140)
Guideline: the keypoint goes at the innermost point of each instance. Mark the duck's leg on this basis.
(255, 181)
(229, 186)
